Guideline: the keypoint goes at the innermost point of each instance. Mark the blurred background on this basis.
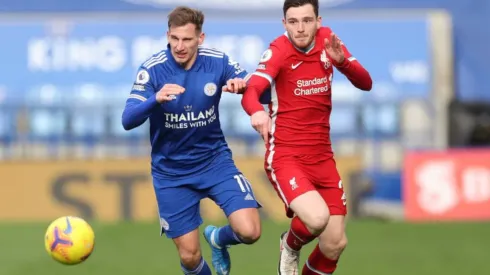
(413, 153)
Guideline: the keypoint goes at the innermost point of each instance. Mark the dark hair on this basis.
(299, 3)
(182, 16)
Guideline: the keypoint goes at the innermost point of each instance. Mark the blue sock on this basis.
(226, 236)
(201, 269)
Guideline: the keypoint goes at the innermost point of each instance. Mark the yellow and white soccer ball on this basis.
(69, 240)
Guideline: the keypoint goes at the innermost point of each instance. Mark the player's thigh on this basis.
(333, 240)
(329, 185)
(188, 247)
(233, 193)
(298, 193)
(230, 189)
(178, 208)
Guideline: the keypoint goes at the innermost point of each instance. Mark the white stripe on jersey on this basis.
(152, 61)
(270, 158)
(156, 63)
(209, 50)
(247, 77)
(135, 96)
(264, 75)
(155, 57)
(351, 58)
(211, 54)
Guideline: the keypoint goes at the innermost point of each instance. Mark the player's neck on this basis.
(305, 49)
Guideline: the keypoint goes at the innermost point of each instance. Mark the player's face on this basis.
(301, 24)
(184, 42)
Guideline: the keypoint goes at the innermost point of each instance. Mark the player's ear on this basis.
(284, 22)
(319, 22)
(201, 38)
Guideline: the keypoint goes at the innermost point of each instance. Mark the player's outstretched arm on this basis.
(347, 64)
(235, 77)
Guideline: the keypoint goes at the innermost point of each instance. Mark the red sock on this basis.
(298, 235)
(317, 263)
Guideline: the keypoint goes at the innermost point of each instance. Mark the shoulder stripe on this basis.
(210, 50)
(211, 54)
(154, 58)
(156, 62)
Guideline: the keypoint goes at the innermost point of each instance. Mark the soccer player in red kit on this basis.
(299, 159)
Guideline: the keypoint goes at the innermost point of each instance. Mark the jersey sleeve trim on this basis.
(138, 97)
(264, 75)
(247, 77)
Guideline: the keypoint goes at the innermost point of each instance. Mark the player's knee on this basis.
(317, 221)
(332, 247)
(312, 210)
(249, 233)
(190, 256)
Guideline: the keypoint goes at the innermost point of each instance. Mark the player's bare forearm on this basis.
(357, 74)
(251, 97)
(136, 113)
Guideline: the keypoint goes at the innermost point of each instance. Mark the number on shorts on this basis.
(244, 184)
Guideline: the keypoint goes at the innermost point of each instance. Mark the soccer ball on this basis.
(69, 240)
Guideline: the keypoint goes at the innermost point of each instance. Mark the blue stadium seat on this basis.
(47, 113)
(381, 119)
(116, 132)
(8, 116)
(8, 131)
(88, 114)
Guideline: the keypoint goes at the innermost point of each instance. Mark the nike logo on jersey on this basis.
(294, 66)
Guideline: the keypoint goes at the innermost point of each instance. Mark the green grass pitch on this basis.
(375, 248)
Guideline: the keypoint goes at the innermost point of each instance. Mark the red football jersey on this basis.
(301, 95)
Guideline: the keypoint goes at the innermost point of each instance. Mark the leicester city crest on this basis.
(210, 89)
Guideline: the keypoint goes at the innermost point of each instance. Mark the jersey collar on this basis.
(195, 66)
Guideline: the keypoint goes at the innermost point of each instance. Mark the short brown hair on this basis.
(182, 16)
(299, 3)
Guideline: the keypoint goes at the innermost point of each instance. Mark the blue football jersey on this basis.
(185, 133)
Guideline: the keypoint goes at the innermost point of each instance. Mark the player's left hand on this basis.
(235, 86)
(333, 47)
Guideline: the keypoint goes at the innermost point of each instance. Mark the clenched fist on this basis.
(169, 92)
(235, 85)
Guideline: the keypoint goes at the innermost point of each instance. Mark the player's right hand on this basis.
(261, 122)
(169, 92)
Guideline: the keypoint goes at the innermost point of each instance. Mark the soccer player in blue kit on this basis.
(179, 90)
